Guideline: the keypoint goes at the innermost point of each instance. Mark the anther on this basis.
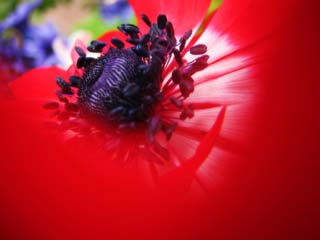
(153, 127)
(116, 111)
(163, 43)
(117, 42)
(65, 87)
(178, 57)
(175, 101)
(145, 39)
(143, 68)
(162, 21)
(196, 65)
(186, 86)
(186, 36)
(81, 62)
(169, 129)
(203, 59)
(84, 61)
(148, 99)
(80, 51)
(187, 113)
(129, 29)
(133, 41)
(184, 39)
(72, 107)
(141, 51)
(176, 76)
(51, 105)
(198, 49)
(130, 90)
(96, 46)
(63, 99)
(133, 112)
(146, 20)
(170, 30)
(74, 80)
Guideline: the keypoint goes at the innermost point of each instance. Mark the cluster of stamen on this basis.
(126, 87)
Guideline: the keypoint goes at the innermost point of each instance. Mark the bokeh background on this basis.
(276, 198)
(40, 33)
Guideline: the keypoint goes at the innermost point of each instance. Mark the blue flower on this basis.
(23, 45)
(114, 10)
(19, 19)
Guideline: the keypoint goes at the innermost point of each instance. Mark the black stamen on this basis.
(162, 42)
(198, 49)
(65, 87)
(146, 19)
(187, 113)
(72, 107)
(63, 99)
(162, 21)
(183, 40)
(96, 46)
(75, 81)
(81, 62)
(169, 129)
(126, 86)
(153, 127)
(145, 39)
(178, 103)
(141, 51)
(51, 105)
(176, 76)
(186, 36)
(196, 65)
(80, 52)
(133, 41)
(129, 29)
(117, 42)
(117, 111)
(143, 68)
(170, 30)
(203, 58)
(131, 89)
(186, 86)
(178, 57)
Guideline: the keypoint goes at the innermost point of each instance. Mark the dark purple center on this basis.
(124, 85)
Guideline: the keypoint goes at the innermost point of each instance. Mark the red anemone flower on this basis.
(179, 120)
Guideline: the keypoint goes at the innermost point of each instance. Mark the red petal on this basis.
(38, 84)
(235, 22)
(184, 15)
(49, 193)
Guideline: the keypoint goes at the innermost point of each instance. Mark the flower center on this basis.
(128, 86)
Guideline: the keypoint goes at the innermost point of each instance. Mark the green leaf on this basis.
(7, 7)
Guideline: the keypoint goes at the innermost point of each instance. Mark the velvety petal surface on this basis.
(184, 15)
(257, 114)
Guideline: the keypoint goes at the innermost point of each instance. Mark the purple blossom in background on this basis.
(27, 45)
(114, 10)
(19, 18)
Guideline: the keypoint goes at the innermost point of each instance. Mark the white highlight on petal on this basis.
(230, 80)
